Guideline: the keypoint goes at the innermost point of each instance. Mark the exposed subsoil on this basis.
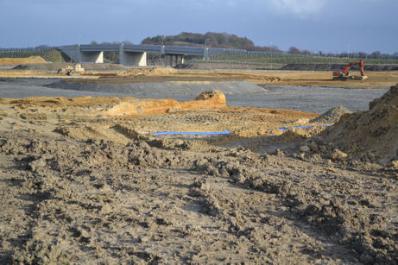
(90, 189)
(370, 135)
(119, 74)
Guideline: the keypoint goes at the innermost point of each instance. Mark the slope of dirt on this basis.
(332, 116)
(371, 134)
(206, 100)
(115, 106)
(27, 60)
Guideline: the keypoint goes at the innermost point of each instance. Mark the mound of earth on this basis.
(332, 116)
(119, 106)
(156, 71)
(206, 100)
(26, 60)
(371, 134)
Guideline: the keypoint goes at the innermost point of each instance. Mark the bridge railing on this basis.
(143, 48)
(184, 50)
(99, 47)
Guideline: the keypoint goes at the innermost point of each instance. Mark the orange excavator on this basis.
(344, 73)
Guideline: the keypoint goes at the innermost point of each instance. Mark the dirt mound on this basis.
(155, 71)
(115, 106)
(206, 100)
(372, 134)
(332, 116)
(64, 101)
(27, 60)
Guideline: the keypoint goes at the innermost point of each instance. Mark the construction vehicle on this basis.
(71, 70)
(344, 73)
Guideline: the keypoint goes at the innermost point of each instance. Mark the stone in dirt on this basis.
(339, 155)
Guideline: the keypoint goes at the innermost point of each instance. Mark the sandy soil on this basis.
(292, 78)
(80, 186)
(27, 60)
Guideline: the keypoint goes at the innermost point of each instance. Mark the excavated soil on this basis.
(27, 61)
(333, 115)
(97, 189)
(371, 134)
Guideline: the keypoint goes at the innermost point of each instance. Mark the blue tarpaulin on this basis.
(192, 133)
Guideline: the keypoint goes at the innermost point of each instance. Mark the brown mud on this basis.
(97, 189)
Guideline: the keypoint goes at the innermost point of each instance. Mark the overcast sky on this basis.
(327, 25)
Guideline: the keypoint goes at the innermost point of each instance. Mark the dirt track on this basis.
(282, 78)
(92, 189)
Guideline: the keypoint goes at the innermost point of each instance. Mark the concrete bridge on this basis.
(136, 55)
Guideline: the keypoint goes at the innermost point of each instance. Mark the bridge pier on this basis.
(174, 59)
(132, 58)
(92, 57)
(180, 59)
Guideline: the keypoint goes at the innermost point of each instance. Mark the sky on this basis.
(316, 25)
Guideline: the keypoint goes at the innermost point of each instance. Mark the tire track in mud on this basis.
(24, 196)
(152, 202)
(334, 217)
(266, 221)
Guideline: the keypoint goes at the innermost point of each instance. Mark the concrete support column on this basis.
(170, 60)
(180, 59)
(132, 58)
(92, 57)
(174, 59)
(206, 54)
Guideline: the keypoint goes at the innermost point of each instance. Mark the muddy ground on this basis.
(239, 93)
(88, 189)
(115, 74)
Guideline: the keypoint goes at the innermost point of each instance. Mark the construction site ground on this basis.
(84, 180)
(118, 74)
